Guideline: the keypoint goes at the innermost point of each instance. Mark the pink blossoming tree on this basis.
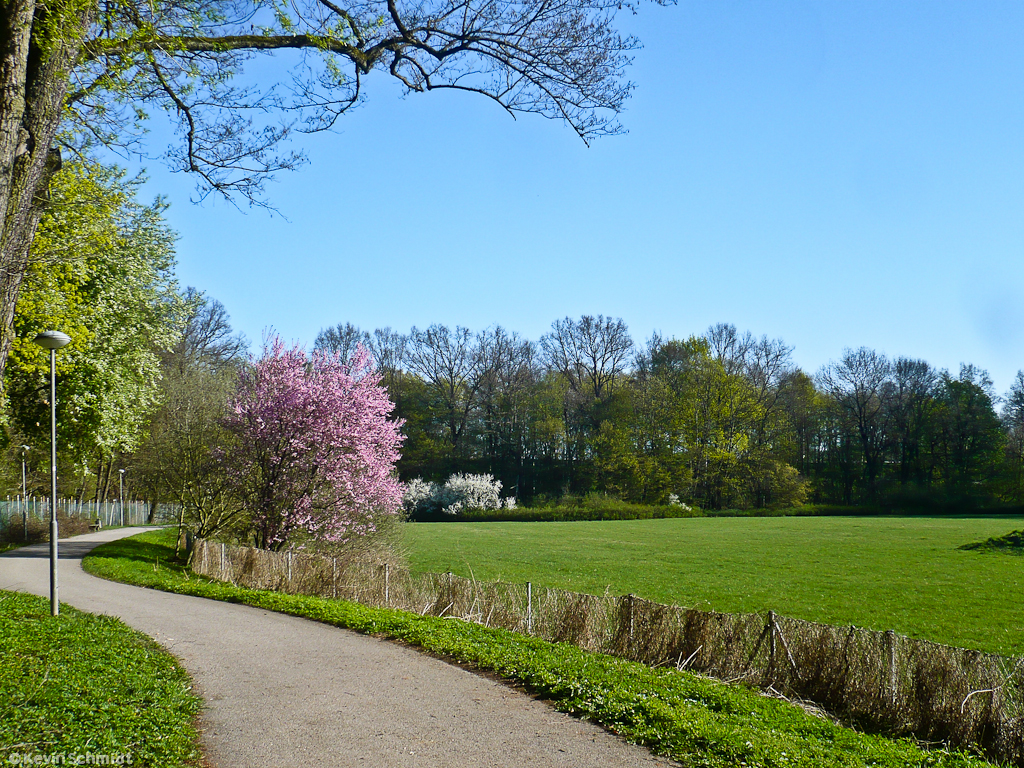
(314, 452)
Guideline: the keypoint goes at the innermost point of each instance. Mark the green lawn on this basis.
(881, 573)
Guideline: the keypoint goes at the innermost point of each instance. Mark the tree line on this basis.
(721, 420)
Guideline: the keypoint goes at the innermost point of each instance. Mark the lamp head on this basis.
(52, 340)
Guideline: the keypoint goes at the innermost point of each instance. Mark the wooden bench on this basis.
(96, 525)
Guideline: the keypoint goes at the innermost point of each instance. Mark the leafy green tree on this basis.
(1012, 487)
(703, 415)
(764, 364)
(632, 457)
(639, 451)
(802, 404)
(970, 439)
(425, 452)
(911, 402)
(102, 273)
(720, 412)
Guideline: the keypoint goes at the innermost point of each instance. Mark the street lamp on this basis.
(120, 485)
(53, 340)
(24, 494)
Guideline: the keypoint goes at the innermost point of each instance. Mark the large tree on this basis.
(857, 384)
(970, 441)
(591, 353)
(452, 366)
(1013, 427)
(314, 449)
(103, 272)
(80, 71)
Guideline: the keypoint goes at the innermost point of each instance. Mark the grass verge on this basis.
(77, 684)
(698, 721)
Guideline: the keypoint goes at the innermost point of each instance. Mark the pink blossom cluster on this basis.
(314, 450)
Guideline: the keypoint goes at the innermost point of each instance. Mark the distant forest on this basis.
(721, 420)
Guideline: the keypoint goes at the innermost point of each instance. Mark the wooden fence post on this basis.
(334, 577)
(890, 637)
(289, 569)
(771, 640)
(630, 599)
(223, 568)
(387, 585)
(529, 608)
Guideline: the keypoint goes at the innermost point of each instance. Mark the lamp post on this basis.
(53, 340)
(24, 493)
(120, 494)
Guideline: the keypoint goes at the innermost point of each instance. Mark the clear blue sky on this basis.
(832, 174)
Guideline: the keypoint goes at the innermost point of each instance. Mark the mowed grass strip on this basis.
(78, 684)
(882, 573)
(698, 721)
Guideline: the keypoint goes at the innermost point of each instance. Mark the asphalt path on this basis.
(285, 692)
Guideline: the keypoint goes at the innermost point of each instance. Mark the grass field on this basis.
(881, 573)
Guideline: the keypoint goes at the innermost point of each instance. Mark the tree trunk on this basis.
(33, 87)
(106, 469)
(181, 531)
(99, 481)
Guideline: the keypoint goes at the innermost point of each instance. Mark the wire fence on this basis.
(877, 680)
(21, 512)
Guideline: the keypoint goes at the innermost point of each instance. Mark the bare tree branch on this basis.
(558, 58)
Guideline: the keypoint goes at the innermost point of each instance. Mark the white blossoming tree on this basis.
(459, 492)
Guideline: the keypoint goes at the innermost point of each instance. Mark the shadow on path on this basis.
(66, 550)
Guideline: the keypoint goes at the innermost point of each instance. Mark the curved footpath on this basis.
(286, 692)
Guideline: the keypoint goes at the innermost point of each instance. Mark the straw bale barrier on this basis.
(875, 680)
